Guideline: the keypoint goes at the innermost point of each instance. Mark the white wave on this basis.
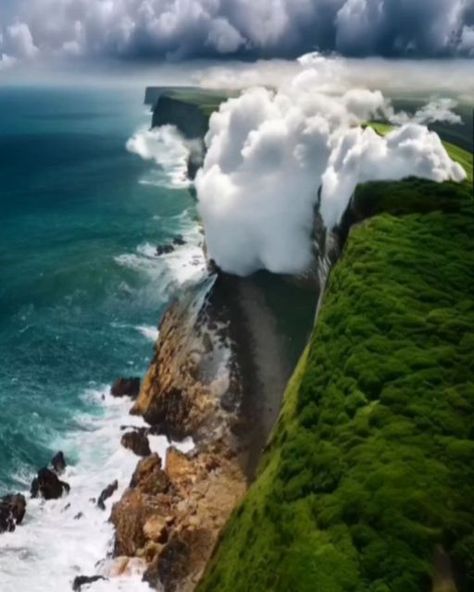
(185, 265)
(150, 332)
(169, 150)
(53, 546)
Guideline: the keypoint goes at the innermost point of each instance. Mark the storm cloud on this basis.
(180, 29)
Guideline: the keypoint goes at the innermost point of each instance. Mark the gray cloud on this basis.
(265, 28)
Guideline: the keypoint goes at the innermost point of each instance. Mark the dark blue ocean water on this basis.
(78, 282)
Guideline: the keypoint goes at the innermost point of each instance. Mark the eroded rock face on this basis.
(173, 511)
(149, 476)
(172, 518)
(191, 372)
(48, 485)
(126, 387)
(137, 442)
(12, 511)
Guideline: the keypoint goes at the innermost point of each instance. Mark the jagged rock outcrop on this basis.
(47, 485)
(192, 375)
(12, 511)
(126, 387)
(172, 517)
(137, 442)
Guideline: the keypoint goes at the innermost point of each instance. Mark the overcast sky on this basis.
(183, 29)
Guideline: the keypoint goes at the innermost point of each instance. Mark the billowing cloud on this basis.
(263, 28)
(271, 153)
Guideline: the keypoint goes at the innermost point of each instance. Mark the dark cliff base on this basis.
(269, 334)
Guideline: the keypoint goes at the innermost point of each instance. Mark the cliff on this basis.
(213, 378)
(365, 481)
(189, 110)
(189, 118)
(366, 484)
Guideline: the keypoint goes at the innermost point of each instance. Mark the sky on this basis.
(177, 30)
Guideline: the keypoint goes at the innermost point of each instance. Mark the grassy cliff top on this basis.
(367, 483)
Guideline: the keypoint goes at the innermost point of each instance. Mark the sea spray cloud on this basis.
(270, 152)
(168, 149)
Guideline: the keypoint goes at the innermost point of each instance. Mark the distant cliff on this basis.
(189, 118)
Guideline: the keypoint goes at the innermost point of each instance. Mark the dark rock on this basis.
(106, 493)
(58, 463)
(187, 117)
(80, 581)
(164, 249)
(149, 477)
(12, 511)
(137, 441)
(47, 485)
(78, 516)
(179, 241)
(126, 387)
(171, 565)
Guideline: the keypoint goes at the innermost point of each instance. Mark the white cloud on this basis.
(437, 110)
(270, 152)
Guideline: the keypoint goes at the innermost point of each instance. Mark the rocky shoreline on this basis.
(205, 382)
(172, 512)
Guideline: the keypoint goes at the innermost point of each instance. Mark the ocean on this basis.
(81, 294)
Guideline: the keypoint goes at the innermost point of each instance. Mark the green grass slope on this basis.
(370, 471)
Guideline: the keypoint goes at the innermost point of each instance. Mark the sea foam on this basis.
(61, 539)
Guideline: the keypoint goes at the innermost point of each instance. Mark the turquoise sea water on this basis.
(79, 286)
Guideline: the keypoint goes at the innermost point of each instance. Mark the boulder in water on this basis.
(137, 442)
(106, 493)
(58, 463)
(48, 485)
(80, 581)
(164, 249)
(126, 387)
(12, 511)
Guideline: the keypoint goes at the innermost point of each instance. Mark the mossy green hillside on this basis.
(370, 467)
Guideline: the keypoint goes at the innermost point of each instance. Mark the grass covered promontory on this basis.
(367, 484)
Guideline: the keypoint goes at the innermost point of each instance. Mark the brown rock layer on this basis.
(171, 515)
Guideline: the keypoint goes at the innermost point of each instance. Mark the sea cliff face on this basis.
(175, 507)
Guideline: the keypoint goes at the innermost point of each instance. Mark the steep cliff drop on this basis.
(224, 354)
